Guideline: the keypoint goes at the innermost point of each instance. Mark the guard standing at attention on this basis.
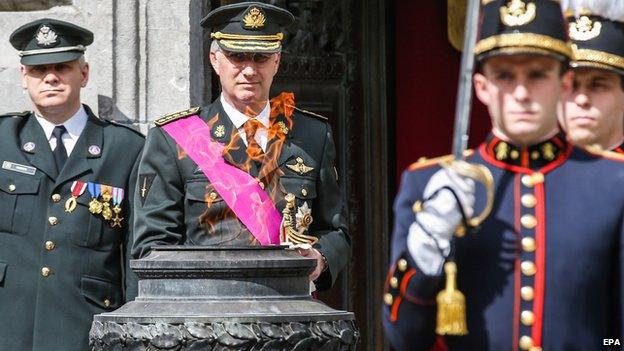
(66, 186)
(544, 270)
(594, 110)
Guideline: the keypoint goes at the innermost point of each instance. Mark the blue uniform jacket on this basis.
(545, 268)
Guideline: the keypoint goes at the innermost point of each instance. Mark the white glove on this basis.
(440, 217)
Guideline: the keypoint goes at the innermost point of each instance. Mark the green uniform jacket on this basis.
(177, 205)
(58, 269)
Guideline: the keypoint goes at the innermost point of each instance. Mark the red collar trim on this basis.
(486, 151)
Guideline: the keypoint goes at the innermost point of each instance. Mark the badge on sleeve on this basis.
(145, 182)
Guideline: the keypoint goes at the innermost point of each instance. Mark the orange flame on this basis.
(284, 104)
(269, 174)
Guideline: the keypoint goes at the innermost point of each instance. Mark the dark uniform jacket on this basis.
(177, 205)
(58, 269)
(544, 270)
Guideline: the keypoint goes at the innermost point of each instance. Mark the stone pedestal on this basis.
(204, 298)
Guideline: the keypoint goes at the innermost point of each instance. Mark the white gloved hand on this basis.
(440, 217)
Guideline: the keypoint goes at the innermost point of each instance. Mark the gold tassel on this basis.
(451, 305)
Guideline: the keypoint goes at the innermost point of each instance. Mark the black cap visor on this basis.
(51, 58)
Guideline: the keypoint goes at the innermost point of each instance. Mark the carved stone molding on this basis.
(312, 67)
(324, 335)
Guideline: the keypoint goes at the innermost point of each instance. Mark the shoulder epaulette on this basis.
(174, 116)
(124, 125)
(611, 155)
(16, 114)
(424, 162)
(310, 113)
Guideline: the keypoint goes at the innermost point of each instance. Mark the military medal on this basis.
(95, 206)
(118, 194)
(107, 212)
(77, 189)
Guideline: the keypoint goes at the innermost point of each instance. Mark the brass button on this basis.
(107, 303)
(50, 245)
(528, 244)
(526, 342)
(528, 268)
(526, 180)
(527, 293)
(528, 221)
(528, 200)
(394, 282)
(527, 318)
(56, 198)
(304, 192)
(53, 220)
(402, 265)
(212, 196)
(388, 299)
(12, 187)
(535, 155)
(531, 180)
(514, 154)
(45, 271)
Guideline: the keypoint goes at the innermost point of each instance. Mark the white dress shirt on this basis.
(238, 119)
(74, 127)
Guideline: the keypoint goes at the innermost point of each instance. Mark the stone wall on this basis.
(148, 58)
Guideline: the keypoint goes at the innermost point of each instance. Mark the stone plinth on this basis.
(203, 298)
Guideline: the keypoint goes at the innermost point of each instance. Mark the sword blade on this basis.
(464, 93)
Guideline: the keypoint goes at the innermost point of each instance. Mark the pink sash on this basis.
(239, 190)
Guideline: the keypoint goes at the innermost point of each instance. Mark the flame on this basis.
(269, 174)
(284, 104)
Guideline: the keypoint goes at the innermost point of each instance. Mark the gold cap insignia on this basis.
(46, 36)
(254, 18)
(584, 29)
(517, 13)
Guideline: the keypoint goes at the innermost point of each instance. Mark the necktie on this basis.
(60, 153)
(254, 151)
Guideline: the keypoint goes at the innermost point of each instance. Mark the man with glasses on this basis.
(224, 173)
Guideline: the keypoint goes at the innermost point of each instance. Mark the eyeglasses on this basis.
(242, 57)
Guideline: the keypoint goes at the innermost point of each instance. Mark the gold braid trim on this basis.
(599, 57)
(250, 45)
(219, 36)
(522, 40)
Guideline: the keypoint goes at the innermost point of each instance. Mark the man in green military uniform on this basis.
(288, 153)
(65, 181)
